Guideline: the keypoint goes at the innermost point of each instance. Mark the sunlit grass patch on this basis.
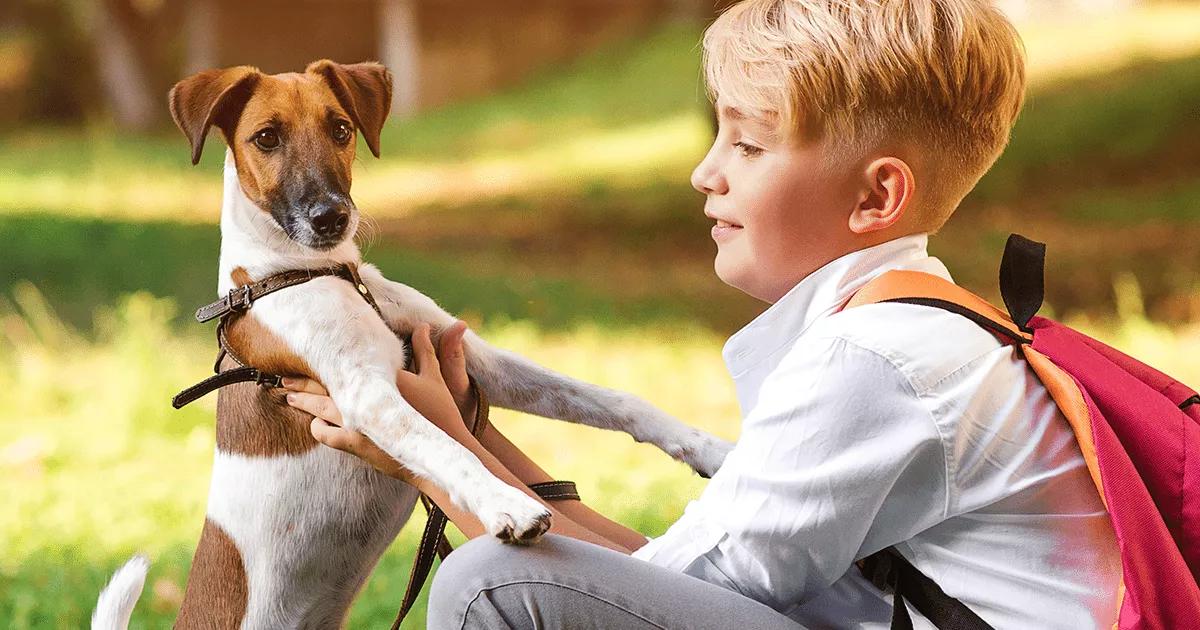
(1083, 43)
(1172, 350)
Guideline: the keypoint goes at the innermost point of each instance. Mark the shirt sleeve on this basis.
(839, 458)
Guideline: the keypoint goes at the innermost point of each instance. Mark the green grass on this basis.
(87, 262)
(1119, 128)
(617, 88)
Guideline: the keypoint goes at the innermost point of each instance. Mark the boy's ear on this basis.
(888, 191)
(364, 90)
(212, 97)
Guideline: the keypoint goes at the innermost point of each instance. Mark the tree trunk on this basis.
(124, 65)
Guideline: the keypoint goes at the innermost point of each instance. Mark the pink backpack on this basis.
(1138, 429)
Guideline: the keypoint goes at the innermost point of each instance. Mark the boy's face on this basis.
(781, 207)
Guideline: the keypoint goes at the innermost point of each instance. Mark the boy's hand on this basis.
(428, 390)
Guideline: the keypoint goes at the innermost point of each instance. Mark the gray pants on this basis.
(565, 583)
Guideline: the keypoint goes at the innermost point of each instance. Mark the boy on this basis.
(849, 131)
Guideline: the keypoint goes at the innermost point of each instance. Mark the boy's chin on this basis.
(730, 270)
(741, 274)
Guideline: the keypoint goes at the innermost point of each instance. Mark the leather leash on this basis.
(238, 301)
(433, 538)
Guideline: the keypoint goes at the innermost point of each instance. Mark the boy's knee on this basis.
(478, 565)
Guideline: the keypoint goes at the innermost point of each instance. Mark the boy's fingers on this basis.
(450, 347)
(330, 435)
(319, 406)
(405, 379)
(307, 385)
(423, 353)
(452, 358)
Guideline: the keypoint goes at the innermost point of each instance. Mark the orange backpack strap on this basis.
(918, 287)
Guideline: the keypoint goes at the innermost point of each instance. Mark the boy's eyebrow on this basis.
(729, 112)
(733, 113)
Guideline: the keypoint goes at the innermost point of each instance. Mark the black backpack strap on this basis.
(1022, 279)
(888, 570)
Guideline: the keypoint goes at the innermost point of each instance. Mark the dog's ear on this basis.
(212, 97)
(364, 89)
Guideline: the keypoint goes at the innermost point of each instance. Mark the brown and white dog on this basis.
(292, 530)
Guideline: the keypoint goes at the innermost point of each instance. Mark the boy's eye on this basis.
(748, 150)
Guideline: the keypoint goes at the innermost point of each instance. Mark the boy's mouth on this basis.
(724, 229)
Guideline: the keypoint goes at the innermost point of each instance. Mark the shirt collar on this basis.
(822, 293)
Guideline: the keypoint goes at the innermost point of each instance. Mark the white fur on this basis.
(117, 600)
(309, 529)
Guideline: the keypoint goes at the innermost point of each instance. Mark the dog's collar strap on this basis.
(241, 299)
(433, 539)
(221, 379)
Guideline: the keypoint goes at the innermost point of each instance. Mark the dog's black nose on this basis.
(329, 220)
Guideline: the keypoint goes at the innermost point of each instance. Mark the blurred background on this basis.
(534, 180)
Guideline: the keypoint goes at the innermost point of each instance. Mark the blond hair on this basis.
(945, 75)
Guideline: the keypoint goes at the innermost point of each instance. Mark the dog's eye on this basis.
(342, 131)
(266, 139)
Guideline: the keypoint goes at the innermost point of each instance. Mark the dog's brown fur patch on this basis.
(252, 420)
(240, 277)
(217, 590)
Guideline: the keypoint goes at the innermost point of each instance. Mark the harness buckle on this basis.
(268, 380)
(239, 299)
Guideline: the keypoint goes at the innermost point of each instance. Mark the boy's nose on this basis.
(707, 177)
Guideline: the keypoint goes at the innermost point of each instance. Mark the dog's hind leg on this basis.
(514, 382)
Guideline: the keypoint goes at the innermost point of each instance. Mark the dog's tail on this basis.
(116, 601)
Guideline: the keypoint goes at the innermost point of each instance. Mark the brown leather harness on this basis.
(239, 300)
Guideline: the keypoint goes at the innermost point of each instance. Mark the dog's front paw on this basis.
(703, 452)
(514, 517)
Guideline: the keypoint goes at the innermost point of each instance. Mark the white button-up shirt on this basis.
(895, 424)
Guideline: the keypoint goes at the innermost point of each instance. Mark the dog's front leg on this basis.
(339, 340)
(371, 405)
(514, 382)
